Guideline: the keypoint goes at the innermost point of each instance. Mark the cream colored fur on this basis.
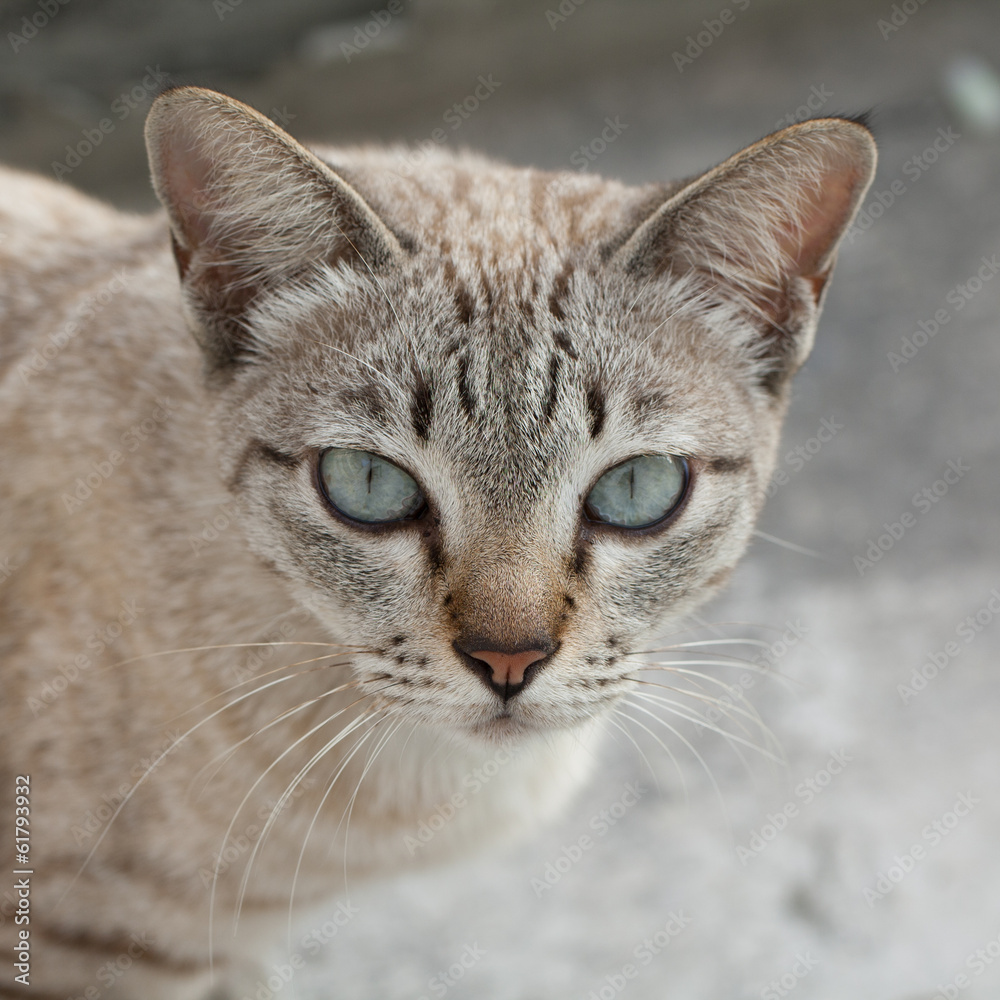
(149, 547)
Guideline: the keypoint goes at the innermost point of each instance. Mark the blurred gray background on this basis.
(837, 903)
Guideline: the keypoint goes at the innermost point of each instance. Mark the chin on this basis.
(502, 729)
(512, 726)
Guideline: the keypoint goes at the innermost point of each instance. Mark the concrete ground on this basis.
(869, 867)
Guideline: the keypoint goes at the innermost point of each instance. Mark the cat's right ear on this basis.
(249, 208)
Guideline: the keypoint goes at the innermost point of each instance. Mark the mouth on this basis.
(502, 726)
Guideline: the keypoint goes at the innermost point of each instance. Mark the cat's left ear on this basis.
(250, 209)
(764, 227)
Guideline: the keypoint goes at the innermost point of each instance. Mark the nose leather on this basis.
(508, 668)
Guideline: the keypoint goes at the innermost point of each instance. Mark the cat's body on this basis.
(505, 335)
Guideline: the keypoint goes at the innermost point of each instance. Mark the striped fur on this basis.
(506, 336)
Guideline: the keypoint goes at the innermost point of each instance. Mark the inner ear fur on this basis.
(249, 209)
(764, 226)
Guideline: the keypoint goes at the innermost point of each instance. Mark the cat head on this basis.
(496, 427)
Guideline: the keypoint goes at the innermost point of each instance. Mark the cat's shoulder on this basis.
(56, 246)
(34, 207)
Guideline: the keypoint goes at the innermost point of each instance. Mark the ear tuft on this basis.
(763, 228)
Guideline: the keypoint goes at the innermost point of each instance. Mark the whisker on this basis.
(288, 792)
(687, 743)
(696, 676)
(152, 767)
(694, 644)
(345, 818)
(322, 343)
(791, 546)
(750, 713)
(686, 304)
(700, 721)
(681, 711)
(371, 272)
(319, 808)
(730, 738)
(267, 673)
(246, 797)
(227, 645)
(656, 781)
(227, 753)
(729, 661)
(642, 290)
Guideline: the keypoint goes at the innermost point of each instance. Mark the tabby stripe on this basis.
(560, 289)
(116, 945)
(422, 409)
(464, 392)
(368, 398)
(595, 406)
(256, 450)
(464, 303)
(564, 344)
(729, 464)
(553, 393)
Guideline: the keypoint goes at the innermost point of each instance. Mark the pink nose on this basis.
(508, 668)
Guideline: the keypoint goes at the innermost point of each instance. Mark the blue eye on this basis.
(368, 488)
(639, 492)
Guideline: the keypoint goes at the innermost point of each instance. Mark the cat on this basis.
(345, 479)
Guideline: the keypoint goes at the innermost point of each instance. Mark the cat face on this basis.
(496, 427)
